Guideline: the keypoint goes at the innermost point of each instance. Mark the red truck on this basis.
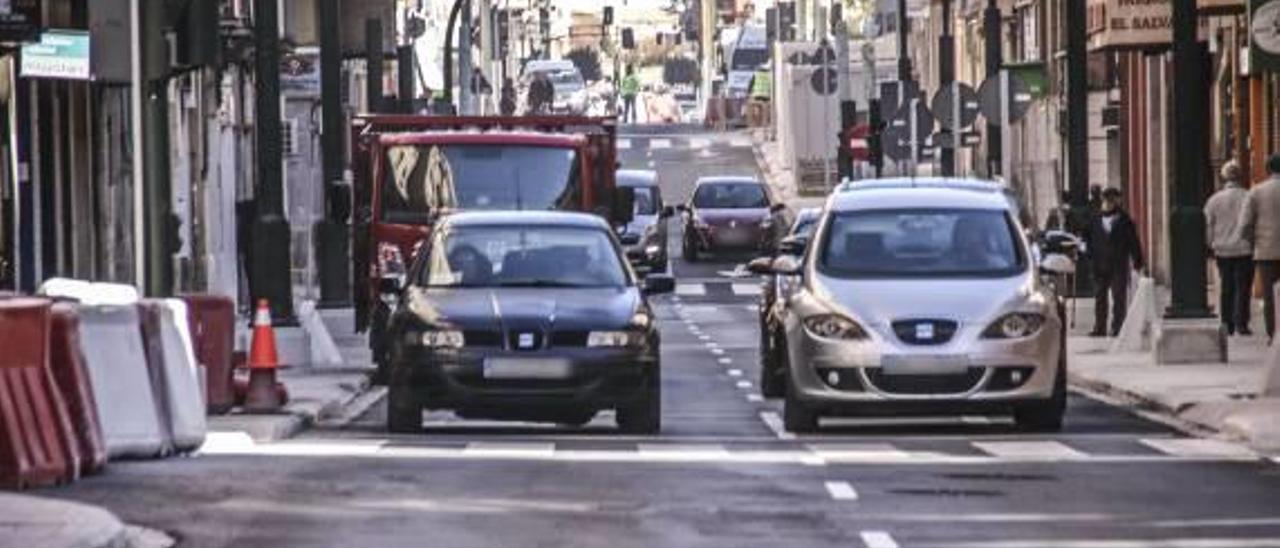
(409, 170)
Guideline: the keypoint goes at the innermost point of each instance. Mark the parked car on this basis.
(776, 289)
(645, 237)
(922, 296)
(493, 325)
(731, 214)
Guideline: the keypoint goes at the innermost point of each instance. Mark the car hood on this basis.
(717, 217)
(525, 308)
(964, 301)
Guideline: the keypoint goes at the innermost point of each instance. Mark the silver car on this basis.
(923, 297)
(645, 237)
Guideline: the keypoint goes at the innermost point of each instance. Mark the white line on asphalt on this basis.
(691, 290)
(746, 290)
(1033, 450)
(659, 144)
(878, 539)
(624, 144)
(841, 490)
(704, 337)
(1198, 447)
(725, 361)
(651, 163)
(740, 142)
(717, 351)
(755, 398)
(509, 449)
(744, 385)
(699, 142)
(977, 420)
(859, 452)
(774, 422)
(735, 372)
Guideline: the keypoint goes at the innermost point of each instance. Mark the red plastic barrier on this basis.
(213, 323)
(66, 360)
(36, 446)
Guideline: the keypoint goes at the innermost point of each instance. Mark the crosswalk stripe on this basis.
(1199, 448)
(841, 490)
(691, 290)
(774, 422)
(878, 539)
(657, 144)
(854, 452)
(1034, 450)
(698, 142)
(747, 290)
(624, 144)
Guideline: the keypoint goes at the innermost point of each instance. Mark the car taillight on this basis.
(390, 259)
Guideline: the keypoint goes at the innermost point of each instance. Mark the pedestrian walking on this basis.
(1111, 239)
(629, 89)
(1260, 227)
(507, 99)
(1233, 255)
(541, 94)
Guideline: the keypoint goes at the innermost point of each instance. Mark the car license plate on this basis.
(917, 364)
(526, 368)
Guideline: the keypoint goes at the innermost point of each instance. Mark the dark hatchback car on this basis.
(525, 316)
(776, 289)
(645, 237)
(730, 214)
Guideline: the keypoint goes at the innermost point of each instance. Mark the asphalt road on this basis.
(722, 474)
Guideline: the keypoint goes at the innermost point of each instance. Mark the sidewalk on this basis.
(37, 522)
(778, 175)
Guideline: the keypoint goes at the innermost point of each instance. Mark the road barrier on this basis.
(89, 293)
(36, 446)
(212, 322)
(112, 344)
(172, 366)
(66, 361)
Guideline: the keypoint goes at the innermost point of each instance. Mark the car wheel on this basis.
(797, 417)
(404, 411)
(1046, 416)
(645, 416)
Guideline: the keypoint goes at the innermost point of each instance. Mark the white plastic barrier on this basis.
(179, 397)
(114, 356)
(1271, 382)
(1136, 333)
(89, 293)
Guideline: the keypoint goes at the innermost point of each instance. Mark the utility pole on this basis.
(995, 63)
(332, 238)
(404, 78)
(1077, 104)
(707, 43)
(904, 56)
(1188, 281)
(154, 229)
(947, 77)
(269, 257)
(464, 60)
(373, 65)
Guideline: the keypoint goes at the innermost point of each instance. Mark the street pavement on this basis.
(722, 473)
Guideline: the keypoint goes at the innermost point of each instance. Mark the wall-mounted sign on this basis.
(1141, 23)
(60, 54)
(19, 20)
(1264, 35)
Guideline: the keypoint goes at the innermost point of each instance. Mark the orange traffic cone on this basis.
(263, 361)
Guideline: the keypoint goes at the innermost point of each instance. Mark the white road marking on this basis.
(509, 449)
(878, 539)
(774, 422)
(746, 290)
(977, 420)
(1031, 450)
(841, 490)
(624, 144)
(859, 452)
(735, 372)
(725, 361)
(744, 385)
(1197, 542)
(699, 142)
(740, 142)
(704, 337)
(651, 163)
(691, 290)
(659, 144)
(717, 351)
(755, 398)
(683, 452)
(1199, 448)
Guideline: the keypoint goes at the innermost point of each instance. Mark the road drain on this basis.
(999, 477)
(944, 492)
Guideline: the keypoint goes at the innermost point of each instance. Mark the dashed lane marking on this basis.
(691, 290)
(755, 398)
(735, 372)
(747, 290)
(745, 385)
(774, 422)
(1199, 448)
(725, 361)
(877, 539)
(659, 144)
(1032, 450)
(841, 490)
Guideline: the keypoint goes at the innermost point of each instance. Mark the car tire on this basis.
(1046, 416)
(645, 416)
(773, 383)
(404, 411)
(797, 417)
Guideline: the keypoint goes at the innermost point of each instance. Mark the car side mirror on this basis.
(787, 265)
(668, 212)
(760, 265)
(658, 284)
(778, 208)
(1057, 263)
(792, 245)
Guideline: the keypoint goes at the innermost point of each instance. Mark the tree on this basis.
(588, 62)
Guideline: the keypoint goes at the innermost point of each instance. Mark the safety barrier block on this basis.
(35, 433)
(172, 365)
(212, 320)
(66, 361)
(111, 342)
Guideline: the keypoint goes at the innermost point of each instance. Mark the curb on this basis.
(295, 419)
(1144, 406)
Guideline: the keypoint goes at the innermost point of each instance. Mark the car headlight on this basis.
(834, 326)
(1015, 326)
(438, 339)
(614, 339)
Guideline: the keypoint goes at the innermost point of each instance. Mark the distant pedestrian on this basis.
(507, 101)
(541, 94)
(1114, 248)
(629, 89)
(1233, 254)
(1260, 226)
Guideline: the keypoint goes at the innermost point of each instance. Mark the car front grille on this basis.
(925, 384)
(479, 337)
(917, 332)
(569, 339)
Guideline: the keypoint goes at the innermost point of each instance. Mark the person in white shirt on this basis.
(1232, 253)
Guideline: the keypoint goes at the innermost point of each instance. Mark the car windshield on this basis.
(421, 180)
(928, 243)
(514, 256)
(567, 80)
(746, 195)
(646, 201)
(804, 227)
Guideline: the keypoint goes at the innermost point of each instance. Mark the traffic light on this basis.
(608, 15)
(628, 38)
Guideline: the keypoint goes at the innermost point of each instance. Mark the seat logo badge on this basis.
(733, 224)
(924, 331)
(525, 341)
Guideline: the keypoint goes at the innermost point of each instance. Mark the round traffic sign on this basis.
(923, 119)
(824, 81)
(1018, 96)
(946, 105)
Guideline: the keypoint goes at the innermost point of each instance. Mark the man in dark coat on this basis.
(1111, 239)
